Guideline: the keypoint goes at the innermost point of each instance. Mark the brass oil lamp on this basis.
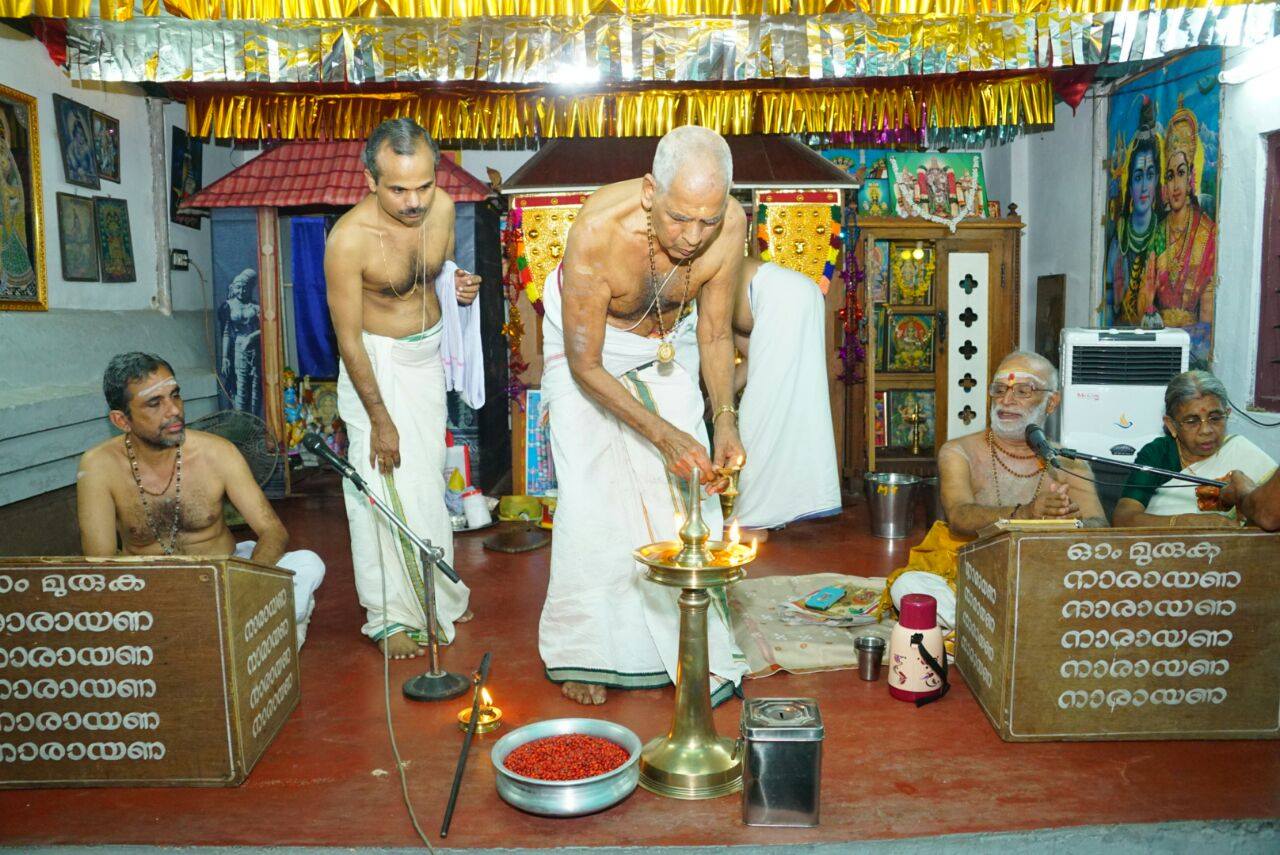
(692, 761)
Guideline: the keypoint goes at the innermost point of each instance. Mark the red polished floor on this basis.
(889, 770)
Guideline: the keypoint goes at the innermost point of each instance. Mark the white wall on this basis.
(1049, 177)
(1250, 111)
(51, 363)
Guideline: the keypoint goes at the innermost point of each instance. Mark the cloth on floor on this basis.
(771, 644)
(602, 621)
(785, 412)
(930, 569)
(308, 573)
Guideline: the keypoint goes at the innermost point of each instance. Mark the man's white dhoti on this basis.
(411, 382)
(784, 417)
(308, 573)
(603, 622)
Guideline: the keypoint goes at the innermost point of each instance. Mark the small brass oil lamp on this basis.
(692, 761)
(729, 497)
(489, 717)
(916, 419)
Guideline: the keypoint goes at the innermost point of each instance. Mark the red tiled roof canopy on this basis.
(301, 174)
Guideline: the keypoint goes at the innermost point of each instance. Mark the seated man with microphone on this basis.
(1196, 442)
(998, 474)
(159, 487)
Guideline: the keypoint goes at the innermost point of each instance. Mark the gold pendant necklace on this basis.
(667, 349)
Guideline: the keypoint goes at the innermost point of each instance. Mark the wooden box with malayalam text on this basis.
(174, 671)
(1115, 634)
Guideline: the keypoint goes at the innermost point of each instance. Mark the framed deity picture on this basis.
(106, 146)
(878, 271)
(910, 337)
(539, 470)
(911, 412)
(186, 160)
(22, 271)
(77, 238)
(874, 198)
(115, 241)
(911, 267)
(75, 138)
(881, 425)
(880, 325)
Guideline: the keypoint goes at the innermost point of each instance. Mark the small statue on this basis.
(295, 425)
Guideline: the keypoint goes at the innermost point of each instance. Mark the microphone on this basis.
(314, 443)
(1040, 445)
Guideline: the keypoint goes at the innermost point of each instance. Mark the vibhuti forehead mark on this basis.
(157, 386)
(1012, 377)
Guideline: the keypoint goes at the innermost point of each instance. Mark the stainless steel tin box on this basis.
(782, 769)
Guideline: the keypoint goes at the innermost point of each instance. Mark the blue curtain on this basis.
(317, 347)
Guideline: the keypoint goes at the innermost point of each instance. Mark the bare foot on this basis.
(401, 646)
(584, 693)
(466, 616)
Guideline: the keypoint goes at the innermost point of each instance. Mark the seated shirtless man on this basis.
(159, 487)
(994, 475)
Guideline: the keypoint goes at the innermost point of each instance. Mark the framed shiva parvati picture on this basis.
(910, 337)
(22, 271)
(911, 267)
(115, 240)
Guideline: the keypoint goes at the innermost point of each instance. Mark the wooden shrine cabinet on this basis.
(942, 311)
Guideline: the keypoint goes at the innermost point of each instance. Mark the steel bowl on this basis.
(567, 798)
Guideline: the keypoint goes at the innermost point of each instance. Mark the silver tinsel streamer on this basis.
(611, 48)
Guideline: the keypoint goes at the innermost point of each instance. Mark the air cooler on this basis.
(1113, 387)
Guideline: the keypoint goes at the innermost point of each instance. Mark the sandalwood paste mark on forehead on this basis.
(1019, 377)
(157, 386)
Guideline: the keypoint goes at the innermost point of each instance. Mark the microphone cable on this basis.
(391, 731)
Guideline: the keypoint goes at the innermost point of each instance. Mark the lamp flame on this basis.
(755, 547)
(485, 698)
(734, 534)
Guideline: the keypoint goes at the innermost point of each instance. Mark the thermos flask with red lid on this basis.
(917, 660)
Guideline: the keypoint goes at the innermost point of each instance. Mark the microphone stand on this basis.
(1072, 454)
(437, 684)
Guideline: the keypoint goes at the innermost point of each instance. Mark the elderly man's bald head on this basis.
(1028, 362)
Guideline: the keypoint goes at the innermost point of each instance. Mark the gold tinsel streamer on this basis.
(274, 10)
(1022, 100)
